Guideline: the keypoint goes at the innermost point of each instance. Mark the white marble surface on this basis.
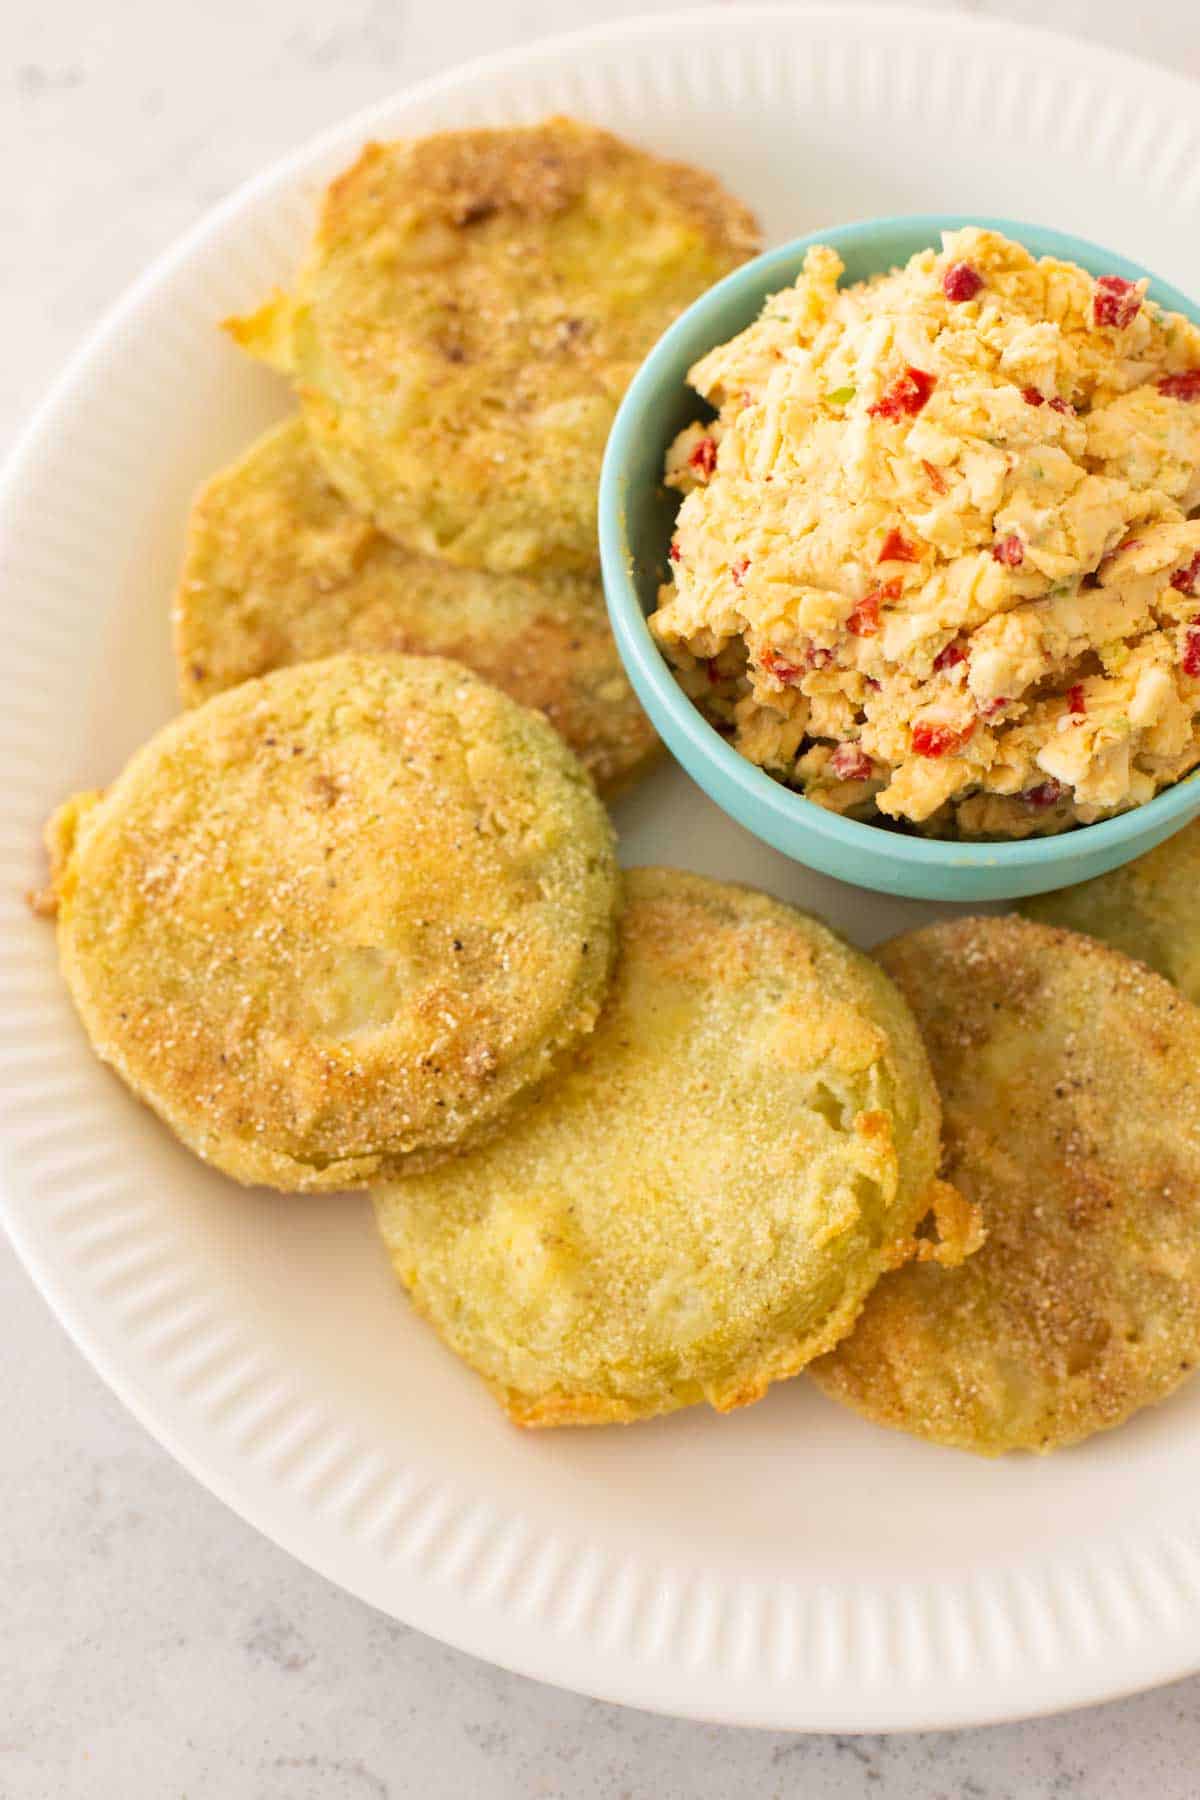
(154, 1647)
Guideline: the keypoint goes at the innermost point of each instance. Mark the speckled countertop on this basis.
(154, 1647)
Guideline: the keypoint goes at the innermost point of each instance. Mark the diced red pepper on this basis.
(818, 657)
(989, 708)
(961, 282)
(1116, 302)
(937, 480)
(1076, 699)
(778, 666)
(864, 619)
(739, 569)
(1191, 651)
(896, 548)
(1187, 579)
(704, 457)
(929, 739)
(1044, 794)
(1034, 397)
(1009, 550)
(674, 552)
(907, 394)
(850, 763)
(949, 655)
(1181, 387)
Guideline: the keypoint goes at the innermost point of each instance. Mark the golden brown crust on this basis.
(536, 172)
(702, 1199)
(333, 924)
(62, 828)
(280, 570)
(472, 308)
(1070, 1080)
(1147, 908)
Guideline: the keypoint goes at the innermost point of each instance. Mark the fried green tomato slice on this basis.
(703, 1198)
(332, 924)
(1070, 1081)
(280, 570)
(470, 312)
(1148, 908)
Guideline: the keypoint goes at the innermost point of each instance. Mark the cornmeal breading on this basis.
(701, 1201)
(281, 570)
(1147, 907)
(470, 313)
(332, 924)
(1070, 1082)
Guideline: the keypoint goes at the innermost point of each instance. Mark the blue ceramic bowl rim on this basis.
(648, 668)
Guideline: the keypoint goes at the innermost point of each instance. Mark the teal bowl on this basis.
(636, 518)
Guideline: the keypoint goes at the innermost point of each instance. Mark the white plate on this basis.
(790, 1565)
